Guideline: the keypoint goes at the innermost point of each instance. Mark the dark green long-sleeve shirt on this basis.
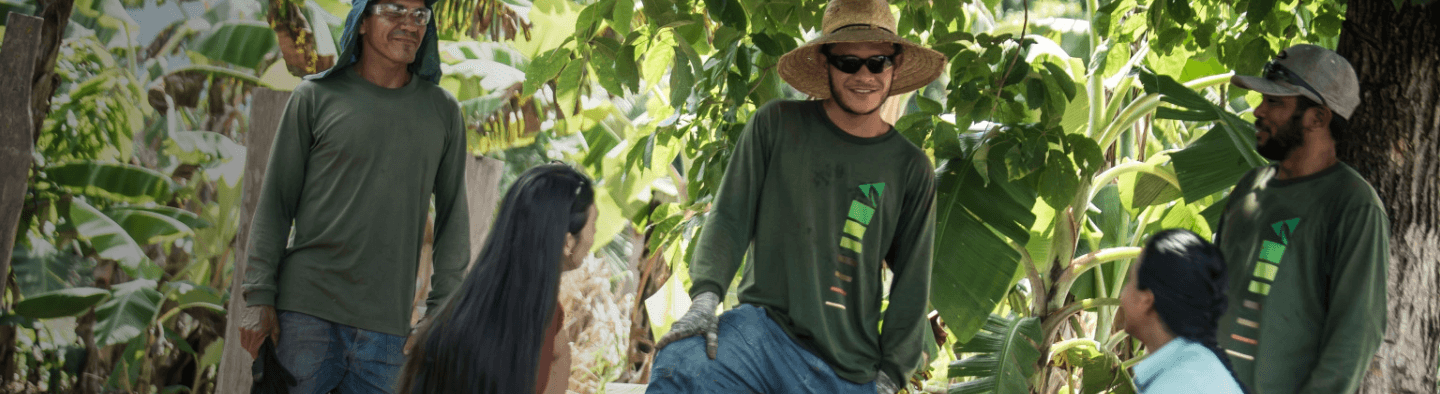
(819, 209)
(354, 166)
(1307, 262)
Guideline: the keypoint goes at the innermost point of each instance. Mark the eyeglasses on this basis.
(1274, 71)
(850, 64)
(420, 16)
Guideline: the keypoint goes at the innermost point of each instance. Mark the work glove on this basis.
(883, 384)
(700, 319)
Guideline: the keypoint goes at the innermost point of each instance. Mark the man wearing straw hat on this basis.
(1306, 239)
(824, 195)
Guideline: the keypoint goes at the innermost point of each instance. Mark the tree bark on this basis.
(22, 42)
(56, 14)
(1394, 143)
(265, 111)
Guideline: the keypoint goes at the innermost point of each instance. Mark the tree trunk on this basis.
(22, 42)
(1395, 144)
(56, 14)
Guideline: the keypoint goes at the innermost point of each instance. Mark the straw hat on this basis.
(859, 21)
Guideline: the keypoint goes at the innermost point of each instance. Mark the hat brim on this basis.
(1273, 88)
(804, 68)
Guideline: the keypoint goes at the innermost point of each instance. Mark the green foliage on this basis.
(241, 43)
(1006, 352)
(61, 303)
(110, 181)
(132, 307)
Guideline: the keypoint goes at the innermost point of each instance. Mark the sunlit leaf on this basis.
(1008, 349)
(112, 181)
(131, 309)
(242, 43)
(146, 227)
(111, 241)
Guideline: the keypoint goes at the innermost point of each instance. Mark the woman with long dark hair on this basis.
(1172, 303)
(497, 333)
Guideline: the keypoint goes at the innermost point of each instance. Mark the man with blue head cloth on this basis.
(360, 151)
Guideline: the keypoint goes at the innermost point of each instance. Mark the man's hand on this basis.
(260, 323)
(700, 319)
(883, 384)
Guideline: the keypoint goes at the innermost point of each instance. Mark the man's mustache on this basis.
(400, 33)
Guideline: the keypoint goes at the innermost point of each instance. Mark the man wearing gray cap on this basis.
(1305, 239)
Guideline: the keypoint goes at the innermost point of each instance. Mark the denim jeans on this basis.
(755, 356)
(326, 356)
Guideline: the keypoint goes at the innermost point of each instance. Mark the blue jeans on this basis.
(326, 356)
(755, 356)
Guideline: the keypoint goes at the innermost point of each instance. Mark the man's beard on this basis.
(1283, 140)
(835, 94)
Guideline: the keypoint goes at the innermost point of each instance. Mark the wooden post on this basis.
(482, 188)
(482, 184)
(265, 111)
(17, 63)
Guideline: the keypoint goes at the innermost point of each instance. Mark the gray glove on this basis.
(700, 319)
(883, 384)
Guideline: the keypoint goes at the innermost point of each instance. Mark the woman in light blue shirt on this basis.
(1172, 304)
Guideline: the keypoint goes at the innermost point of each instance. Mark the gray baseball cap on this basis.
(1311, 71)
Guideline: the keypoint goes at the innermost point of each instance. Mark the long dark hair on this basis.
(1186, 274)
(488, 336)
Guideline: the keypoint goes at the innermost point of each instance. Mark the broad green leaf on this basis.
(766, 44)
(626, 70)
(1211, 164)
(623, 14)
(1008, 350)
(111, 241)
(211, 355)
(242, 43)
(1145, 189)
(927, 105)
(62, 303)
(682, 80)
(190, 219)
(1258, 11)
(112, 181)
(39, 268)
(975, 266)
(543, 69)
(185, 292)
(133, 306)
(147, 227)
(729, 12)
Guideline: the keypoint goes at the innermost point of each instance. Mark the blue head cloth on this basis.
(427, 57)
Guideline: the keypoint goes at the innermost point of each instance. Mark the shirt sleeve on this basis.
(452, 215)
(1355, 319)
(280, 195)
(731, 221)
(904, 332)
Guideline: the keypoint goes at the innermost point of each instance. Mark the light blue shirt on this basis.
(1184, 366)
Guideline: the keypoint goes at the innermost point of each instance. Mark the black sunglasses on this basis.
(1276, 72)
(850, 64)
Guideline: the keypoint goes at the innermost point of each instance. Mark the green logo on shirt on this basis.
(856, 222)
(1270, 255)
(1266, 268)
